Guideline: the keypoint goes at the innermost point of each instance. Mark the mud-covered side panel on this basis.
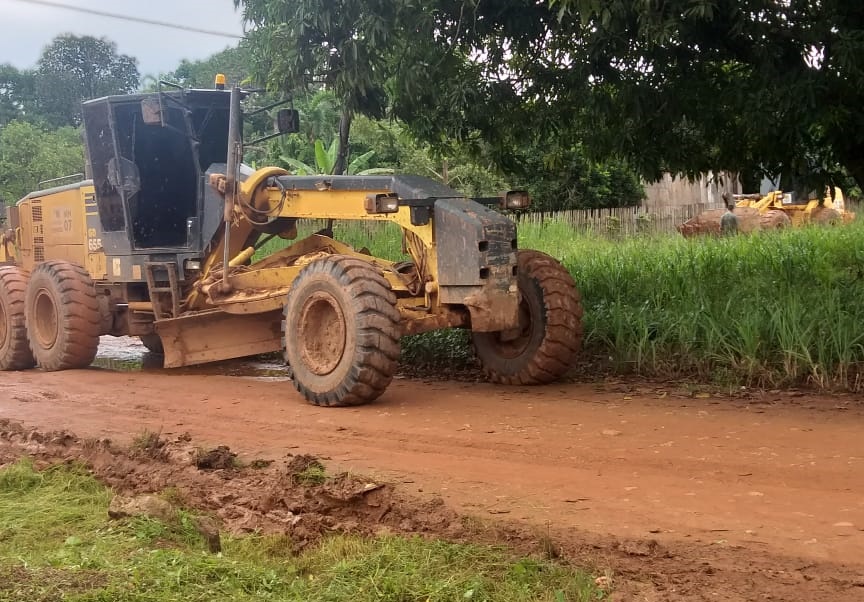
(477, 263)
(476, 245)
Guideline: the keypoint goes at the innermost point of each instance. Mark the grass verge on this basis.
(767, 310)
(56, 542)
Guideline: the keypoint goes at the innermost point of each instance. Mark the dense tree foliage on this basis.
(772, 84)
(560, 175)
(344, 46)
(30, 153)
(40, 108)
(683, 85)
(72, 69)
(17, 93)
(234, 62)
(418, 61)
(377, 145)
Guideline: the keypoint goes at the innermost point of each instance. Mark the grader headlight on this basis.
(515, 199)
(382, 203)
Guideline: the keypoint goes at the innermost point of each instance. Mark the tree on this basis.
(235, 63)
(413, 61)
(681, 85)
(560, 175)
(344, 45)
(17, 93)
(30, 154)
(768, 85)
(72, 69)
(325, 161)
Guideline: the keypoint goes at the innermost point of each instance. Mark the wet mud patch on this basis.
(294, 495)
(297, 496)
(128, 354)
(220, 457)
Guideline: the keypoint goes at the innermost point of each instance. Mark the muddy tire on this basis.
(152, 343)
(341, 332)
(825, 216)
(14, 348)
(550, 327)
(774, 220)
(63, 320)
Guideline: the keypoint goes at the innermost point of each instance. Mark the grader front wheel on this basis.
(62, 316)
(14, 349)
(547, 340)
(341, 332)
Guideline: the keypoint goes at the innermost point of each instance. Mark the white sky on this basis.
(25, 29)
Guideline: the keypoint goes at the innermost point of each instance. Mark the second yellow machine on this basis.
(158, 243)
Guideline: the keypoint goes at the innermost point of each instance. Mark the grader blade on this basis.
(215, 335)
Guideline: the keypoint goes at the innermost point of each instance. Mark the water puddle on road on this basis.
(128, 354)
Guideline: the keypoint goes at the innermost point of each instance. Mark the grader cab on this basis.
(159, 243)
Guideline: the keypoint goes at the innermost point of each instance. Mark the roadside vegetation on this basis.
(773, 309)
(56, 542)
(768, 310)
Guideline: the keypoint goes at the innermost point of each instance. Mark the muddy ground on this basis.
(679, 494)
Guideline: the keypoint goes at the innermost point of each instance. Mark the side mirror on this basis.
(287, 121)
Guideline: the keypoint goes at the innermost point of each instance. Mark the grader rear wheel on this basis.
(341, 332)
(825, 216)
(62, 314)
(550, 327)
(14, 349)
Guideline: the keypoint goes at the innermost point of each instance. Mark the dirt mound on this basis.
(303, 463)
(218, 458)
(708, 222)
(293, 496)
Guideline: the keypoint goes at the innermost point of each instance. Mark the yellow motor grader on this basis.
(158, 242)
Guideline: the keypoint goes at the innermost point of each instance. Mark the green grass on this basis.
(314, 474)
(772, 309)
(56, 542)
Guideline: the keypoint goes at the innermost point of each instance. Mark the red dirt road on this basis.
(775, 482)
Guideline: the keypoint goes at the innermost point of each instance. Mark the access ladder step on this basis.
(160, 293)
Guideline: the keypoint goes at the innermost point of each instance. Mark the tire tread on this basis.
(79, 324)
(376, 353)
(562, 335)
(13, 294)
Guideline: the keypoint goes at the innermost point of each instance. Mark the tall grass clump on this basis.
(771, 309)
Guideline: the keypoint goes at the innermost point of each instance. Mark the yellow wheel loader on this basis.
(772, 211)
(158, 243)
